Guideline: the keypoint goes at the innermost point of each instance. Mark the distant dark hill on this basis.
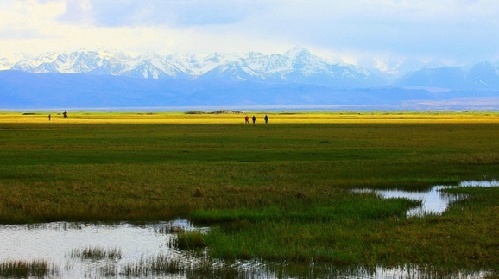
(481, 76)
(84, 90)
(28, 90)
(447, 77)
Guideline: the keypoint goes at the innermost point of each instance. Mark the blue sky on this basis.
(443, 31)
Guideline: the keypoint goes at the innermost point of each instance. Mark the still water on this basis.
(61, 245)
(434, 200)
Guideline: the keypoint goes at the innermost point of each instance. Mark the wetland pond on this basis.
(79, 250)
(433, 200)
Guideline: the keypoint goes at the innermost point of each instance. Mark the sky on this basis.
(355, 31)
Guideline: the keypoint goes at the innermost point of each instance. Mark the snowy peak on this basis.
(297, 51)
(5, 64)
(295, 65)
(74, 62)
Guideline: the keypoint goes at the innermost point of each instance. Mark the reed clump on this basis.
(96, 253)
(190, 240)
(23, 269)
(160, 265)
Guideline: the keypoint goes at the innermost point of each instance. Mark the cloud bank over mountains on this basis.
(456, 32)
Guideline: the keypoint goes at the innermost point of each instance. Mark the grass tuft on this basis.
(96, 253)
(190, 240)
(22, 269)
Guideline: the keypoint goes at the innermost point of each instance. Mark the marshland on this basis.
(280, 194)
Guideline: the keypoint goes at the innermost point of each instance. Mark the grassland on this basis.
(276, 192)
(237, 117)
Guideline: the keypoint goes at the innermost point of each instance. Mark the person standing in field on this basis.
(266, 119)
(65, 114)
(246, 119)
(254, 119)
(49, 117)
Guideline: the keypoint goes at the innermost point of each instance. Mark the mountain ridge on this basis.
(188, 66)
(297, 65)
(296, 77)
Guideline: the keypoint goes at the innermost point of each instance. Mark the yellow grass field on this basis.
(81, 117)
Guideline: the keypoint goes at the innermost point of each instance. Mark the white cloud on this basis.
(459, 30)
(446, 28)
(172, 13)
(78, 11)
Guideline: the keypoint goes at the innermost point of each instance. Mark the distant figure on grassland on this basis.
(254, 119)
(246, 119)
(49, 117)
(65, 114)
(266, 119)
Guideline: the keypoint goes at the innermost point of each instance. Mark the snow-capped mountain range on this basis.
(296, 65)
(296, 77)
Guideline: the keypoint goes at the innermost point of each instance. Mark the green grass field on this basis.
(274, 192)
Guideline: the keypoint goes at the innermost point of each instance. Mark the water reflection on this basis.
(474, 183)
(433, 201)
(57, 242)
